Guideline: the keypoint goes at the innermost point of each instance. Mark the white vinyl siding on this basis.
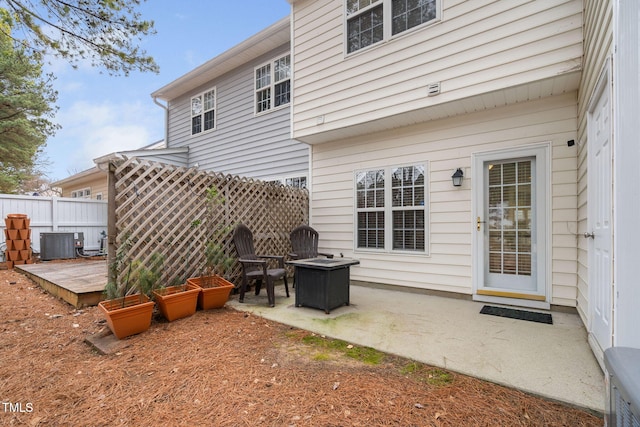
(598, 42)
(476, 48)
(448, 144)
(243, 144)
(627, 175)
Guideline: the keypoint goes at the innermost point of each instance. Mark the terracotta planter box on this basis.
(17, 224)
(175, 303)
(18, 245)
(24, 233)
(15, 221)
(214, 291)
(128, 316)
(12, 234)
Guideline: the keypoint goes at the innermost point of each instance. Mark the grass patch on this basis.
(366, 355)
(322, 357)
(435, 377)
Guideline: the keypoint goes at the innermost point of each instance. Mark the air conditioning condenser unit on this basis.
(57, 245)
(622, 379)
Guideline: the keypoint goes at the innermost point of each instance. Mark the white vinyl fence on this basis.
(56, 214)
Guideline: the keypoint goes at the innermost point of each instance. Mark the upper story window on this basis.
(273, 84)
(372, 21)
(203, 112)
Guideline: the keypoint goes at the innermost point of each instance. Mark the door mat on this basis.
(511, 313)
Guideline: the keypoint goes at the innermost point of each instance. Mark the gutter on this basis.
(166, 120)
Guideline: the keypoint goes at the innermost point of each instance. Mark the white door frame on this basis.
(542, 153)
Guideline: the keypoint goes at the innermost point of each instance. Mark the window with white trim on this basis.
(390, 209)
(296, 181)
(203, 112)
(372, 21)
(273, 84)
(85, 193)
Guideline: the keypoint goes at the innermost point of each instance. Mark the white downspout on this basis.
(166, 121)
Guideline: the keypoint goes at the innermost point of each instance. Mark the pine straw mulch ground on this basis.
(227, 368)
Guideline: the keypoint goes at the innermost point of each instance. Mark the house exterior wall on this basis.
(479, 46)
(627, 174)
(244, 144)
(598, 42)
(96, 182)
(445, 145)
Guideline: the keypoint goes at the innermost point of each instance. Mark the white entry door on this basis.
(510, 226)
(599, 217)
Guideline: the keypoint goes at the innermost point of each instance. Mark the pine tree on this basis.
(103, 32)
(27, 103)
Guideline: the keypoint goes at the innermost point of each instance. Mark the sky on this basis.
(102, 114)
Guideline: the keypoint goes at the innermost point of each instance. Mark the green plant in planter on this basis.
(128, 313)
(112, 291)
(139, 278)
(148, 278)
(216, 261)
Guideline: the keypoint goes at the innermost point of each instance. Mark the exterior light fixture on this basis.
(457, 177)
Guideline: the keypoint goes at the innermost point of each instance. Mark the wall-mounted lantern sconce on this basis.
(457, 177)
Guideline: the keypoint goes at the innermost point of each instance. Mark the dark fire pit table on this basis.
(322, 282)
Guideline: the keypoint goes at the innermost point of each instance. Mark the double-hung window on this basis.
(273, 84)
(203, 112)
(372, 21)
(390, 209)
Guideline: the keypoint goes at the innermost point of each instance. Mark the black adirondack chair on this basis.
(256, 267)
(304, 244)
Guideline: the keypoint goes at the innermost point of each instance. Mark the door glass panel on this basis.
(510, 218)
(509, 264)
(508, 173)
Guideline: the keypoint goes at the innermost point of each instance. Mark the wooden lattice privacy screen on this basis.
(163, 208)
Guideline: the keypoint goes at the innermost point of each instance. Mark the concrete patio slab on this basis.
(552, 361)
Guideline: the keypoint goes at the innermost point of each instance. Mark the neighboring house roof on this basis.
(256, 45)
(85, 175)
(176, 156)
(90, 174)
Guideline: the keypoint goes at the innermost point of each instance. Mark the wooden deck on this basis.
(79, 283)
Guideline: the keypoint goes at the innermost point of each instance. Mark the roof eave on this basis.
(256, 45)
